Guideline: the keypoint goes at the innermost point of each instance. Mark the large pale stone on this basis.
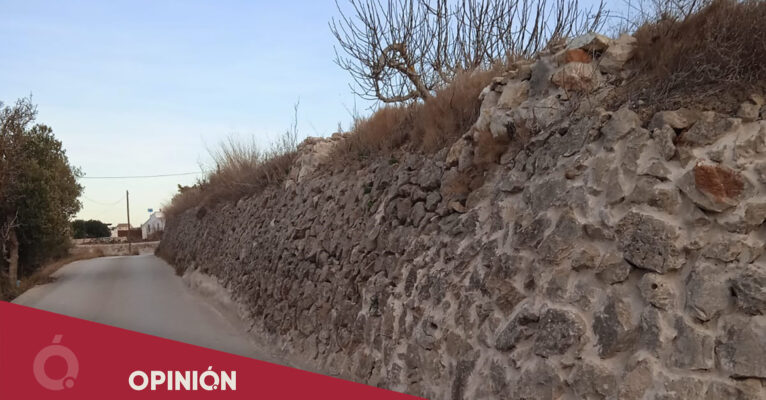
(579, 77)
(559, 330)
(678, 119)
(706, 130)
(713, 187)
(638, 379)
(742, 347)
(613, 268)
(649, 243)
(682, 388)
(692, 348)
(617, 54)
(614, 327)
(593, 381)
(514, 93)
(664, 138)
(620, 124)
(707, 292)
(590, 42)
(539, 380)
(561, 240)
(749, 287)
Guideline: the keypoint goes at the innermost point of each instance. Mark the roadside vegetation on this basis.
(425, 62)
(90, 229)
(38, 194)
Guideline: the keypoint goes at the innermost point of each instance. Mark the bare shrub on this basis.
(404, 50)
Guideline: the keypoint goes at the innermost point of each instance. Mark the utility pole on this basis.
(127, 201)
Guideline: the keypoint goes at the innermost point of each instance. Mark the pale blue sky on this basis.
(145, 87)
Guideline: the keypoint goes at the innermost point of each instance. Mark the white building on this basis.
(155, 224)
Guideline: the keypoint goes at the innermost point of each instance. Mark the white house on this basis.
(155, 224)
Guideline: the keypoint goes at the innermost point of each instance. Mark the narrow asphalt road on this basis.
(143, 294)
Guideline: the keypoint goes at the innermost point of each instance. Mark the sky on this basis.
(135, 88)
(149, 87)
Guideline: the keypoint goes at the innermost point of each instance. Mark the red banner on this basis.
(45, 355)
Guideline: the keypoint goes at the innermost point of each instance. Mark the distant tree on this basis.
(38, 191)
(89, 229)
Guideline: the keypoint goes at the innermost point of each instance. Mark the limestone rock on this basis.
(613, 269)
(732, 247)
(664, 138)
(751, 109)
(750, 142)
(587, 257)
(579, 77)
(657, 291)
(593, 381)
(649, 243)
(749, 287)
(574, 55)
(742, 346)
(652, 192)
(558, 331)
(501, 125)
(719, 390)
(652, 332)
(620, 124)
(540, 78)
(617, 54)
(514, 94)
(614, 327)
(313, 153)
(538, 381)
(706, 130)
(590, 42)
(707, 292)
(522, 326)
(683, 388)
(713, 187)
(560, 241)
(692, 348)
(638, 379)
(679, 119)
(457, 150)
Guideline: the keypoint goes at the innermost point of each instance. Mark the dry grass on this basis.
(43, 275)
(711, 59)
(384, 131)
(241, 169)
(428, 126)
(441, 120)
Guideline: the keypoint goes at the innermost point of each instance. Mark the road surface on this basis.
(143, 294)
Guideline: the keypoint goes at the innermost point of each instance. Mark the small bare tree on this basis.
(403, 50)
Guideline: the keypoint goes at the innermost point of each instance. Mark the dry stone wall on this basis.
(604, 257)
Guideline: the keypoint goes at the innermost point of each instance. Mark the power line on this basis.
(101, 203)
(139, 176)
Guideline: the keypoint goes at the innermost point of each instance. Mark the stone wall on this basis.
(604, 256)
